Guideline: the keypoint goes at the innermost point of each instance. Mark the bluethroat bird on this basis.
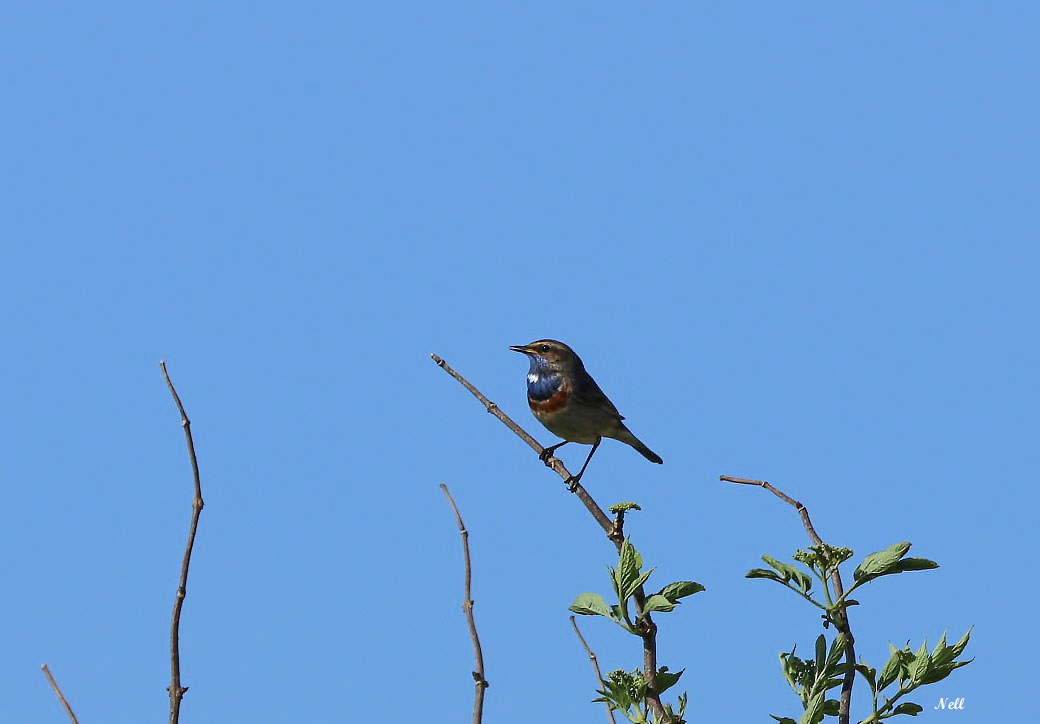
(565, 398)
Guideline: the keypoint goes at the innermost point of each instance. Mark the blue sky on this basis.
(791, 242)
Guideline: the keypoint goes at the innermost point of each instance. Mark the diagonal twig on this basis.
(61, 697)
(648, 632)
(467, 607)
(595, 666)
(175, 689)
(553, 462)
(842, 624)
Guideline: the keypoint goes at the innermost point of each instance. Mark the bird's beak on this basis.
(521, 348)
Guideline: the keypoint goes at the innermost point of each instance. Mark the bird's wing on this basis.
(588, 392)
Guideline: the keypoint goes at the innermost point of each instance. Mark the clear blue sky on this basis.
(791, 241)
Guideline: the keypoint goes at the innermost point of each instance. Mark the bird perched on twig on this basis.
(565, 398)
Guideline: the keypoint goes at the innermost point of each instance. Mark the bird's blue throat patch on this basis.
(542, 380)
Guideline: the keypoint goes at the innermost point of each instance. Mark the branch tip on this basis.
(467, 608)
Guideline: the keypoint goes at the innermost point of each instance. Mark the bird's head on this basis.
(548, 353)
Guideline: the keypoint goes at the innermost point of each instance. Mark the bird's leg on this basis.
(572, 481)
(547, 452)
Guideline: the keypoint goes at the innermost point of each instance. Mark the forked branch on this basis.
(842, 622)
(611, 528)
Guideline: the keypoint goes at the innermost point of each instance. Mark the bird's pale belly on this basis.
(574, 423)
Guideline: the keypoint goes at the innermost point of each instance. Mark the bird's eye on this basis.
(544, 348)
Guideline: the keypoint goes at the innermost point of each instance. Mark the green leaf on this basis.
(869, 674)
(788, 667)
(837, 650)
(629, 561)
(763, 573)
(680, 589)
(784, 719)
(591, 604)
(939, 647)
(657, 602)
(635, 583)
(790, 573)
(879, 563)
(914, 564)
(831, 683)
(908, 707)
(938, 673)
(890, 671)
(942, 659)
(821, 654)
(813, 710)
(919, 666)
(958, 647)
(666, 680)
(831, 707)
(617, 581)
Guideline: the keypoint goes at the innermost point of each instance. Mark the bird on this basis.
(569, 403)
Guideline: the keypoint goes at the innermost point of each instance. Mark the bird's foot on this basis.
(571, 483)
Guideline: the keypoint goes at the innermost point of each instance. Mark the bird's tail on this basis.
(625, 435)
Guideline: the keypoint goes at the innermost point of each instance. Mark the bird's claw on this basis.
(571, 483)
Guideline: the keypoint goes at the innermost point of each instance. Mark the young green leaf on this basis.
(680, 589)
(837, 650)
(813, 710)
(890, 671)
(657, 602)
(938, 673)
(821, 654)
(629, 562)
(789, 573)
(590, 604)
(633, 585)
(919, 666)
(763, 573)
(869, 674)
(958, 647)
(909, 708)
(914, 564)
(666, 680)
(880, 563)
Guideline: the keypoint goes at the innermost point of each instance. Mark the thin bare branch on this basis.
(595, 666)
(175, 689)
(842, 622)
(61, 697)
(467, 607)
(553, 462)
(649, 630)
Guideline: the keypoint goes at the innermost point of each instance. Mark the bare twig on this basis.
(553, 462)
(175, 689)
(648, 631)
(61, 697)
(842, 622)
(467, 608)
(595, 666)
